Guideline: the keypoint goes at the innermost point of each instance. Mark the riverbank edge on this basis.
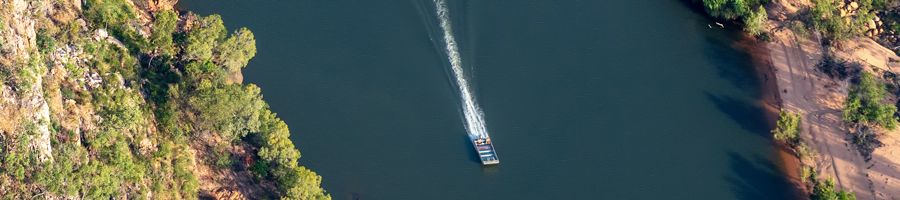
(794, 53)
(770, 102)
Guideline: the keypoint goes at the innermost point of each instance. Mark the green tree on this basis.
(825, 190)
(277, 150)
(866, 104)
(755, 23)
(202, 39)
(237, 50)
(787, 128)
(231, 110)
(731, 9)
(754, 20)
(110, 13)
(164, 23)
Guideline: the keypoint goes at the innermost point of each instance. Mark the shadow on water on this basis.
(729, 63)
(747, 114)
(470, 149)
(757, 178)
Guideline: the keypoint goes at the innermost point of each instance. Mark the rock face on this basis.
(19, 50)
(91, 108)
(18, 32)
(155, 5)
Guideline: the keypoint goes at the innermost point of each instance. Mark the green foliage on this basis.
(45, 42)
(235, 52)
(276, 149)
(202, 40)
(755, 22)
(825, 190)
(124, 155)
(728, 9)
(17, 157)
(184, 175)
(119, 17)
(825, 15)
(223, 159)
(260, 169)
(787, 128)
(207, 42)
(231, 110)
(163, 27)
(109, 12)
(63, 177)
(866, 104)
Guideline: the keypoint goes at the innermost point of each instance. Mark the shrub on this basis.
(163, 27)
(276, 149)
(231, 110)
(755, 22)
(237, 50)
(825, 15)
(825, 190)
(202, 40)
(787, 128)
(866, 104)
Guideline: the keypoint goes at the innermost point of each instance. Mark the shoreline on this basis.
(770, 101)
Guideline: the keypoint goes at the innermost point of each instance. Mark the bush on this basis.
(119, 17)
(277, 150)
(787, 128)
(826, 17)
(866, 104)
(755, 22)
(237, 51)
(231, 110)
(202, 40)
(825, 190)
(163, 27)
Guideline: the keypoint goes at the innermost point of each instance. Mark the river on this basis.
(614, 99)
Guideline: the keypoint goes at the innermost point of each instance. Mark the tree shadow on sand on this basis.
(758, 178)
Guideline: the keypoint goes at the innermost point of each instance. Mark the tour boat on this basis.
(485, 150)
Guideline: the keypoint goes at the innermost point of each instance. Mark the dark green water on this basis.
(584, 99)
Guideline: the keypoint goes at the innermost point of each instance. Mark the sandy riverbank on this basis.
(792, 58)
(770, 101)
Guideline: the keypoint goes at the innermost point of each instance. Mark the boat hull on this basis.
(484, 148)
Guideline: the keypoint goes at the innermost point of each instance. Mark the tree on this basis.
(232, 110)
(163, 26)
(235, 52)
(731, 9)
(825, 190)
(756, 21)
(787, 128)
(202, 40)
(865, 104)
(278, 152)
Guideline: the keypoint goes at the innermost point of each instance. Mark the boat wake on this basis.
(474, 118)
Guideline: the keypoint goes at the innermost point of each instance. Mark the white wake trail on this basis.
(474, 119)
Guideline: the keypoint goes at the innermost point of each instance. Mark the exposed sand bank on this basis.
(770, 101)
(819, 99)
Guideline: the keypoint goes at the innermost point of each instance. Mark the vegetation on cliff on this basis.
(111, 100)
(837, 20)
(750, 12)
